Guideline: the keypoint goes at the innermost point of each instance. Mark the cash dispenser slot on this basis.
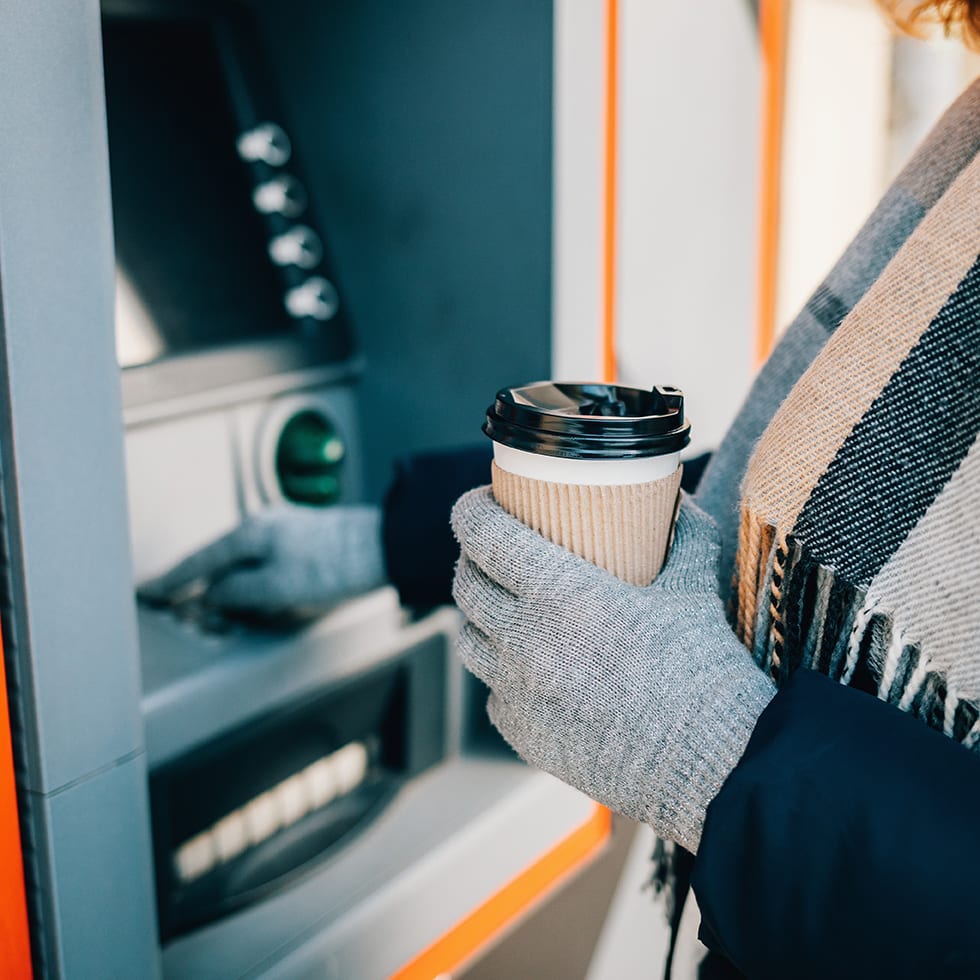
(254, 810)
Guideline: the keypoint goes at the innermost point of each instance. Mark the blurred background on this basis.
(253, 255)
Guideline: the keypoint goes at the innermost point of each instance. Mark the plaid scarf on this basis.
(859, 544)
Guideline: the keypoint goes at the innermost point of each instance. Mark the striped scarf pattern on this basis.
(859, 542)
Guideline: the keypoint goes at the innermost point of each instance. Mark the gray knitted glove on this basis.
(640, 697)
(282, 560)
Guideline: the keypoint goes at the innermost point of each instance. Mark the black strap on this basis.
(682, 864)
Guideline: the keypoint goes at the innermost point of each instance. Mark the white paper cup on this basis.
(615, 502)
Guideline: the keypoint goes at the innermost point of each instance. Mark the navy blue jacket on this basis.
(846, 843)
(420, 550)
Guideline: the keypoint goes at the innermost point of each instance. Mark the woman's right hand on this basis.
(642, 698)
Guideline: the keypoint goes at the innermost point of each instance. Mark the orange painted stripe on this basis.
(609, 195)
(773, 22)
(15, 942)
(471, 935)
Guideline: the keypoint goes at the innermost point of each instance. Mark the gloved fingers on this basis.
(477, 652)
(483, 602)
(693, 560)
(249, 542)
(519, 730)
(508, 551)
(248, 590)
(512, 726)
(500, 713)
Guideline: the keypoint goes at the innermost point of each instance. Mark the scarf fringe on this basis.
(792, 613)
(663, 877)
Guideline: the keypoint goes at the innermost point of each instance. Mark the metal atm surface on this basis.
(204, 419)
(70, 622)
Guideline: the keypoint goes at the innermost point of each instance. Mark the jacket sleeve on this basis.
(419, 547)
(846, 843)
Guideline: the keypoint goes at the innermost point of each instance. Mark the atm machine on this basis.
(305, 204)
(243, 246)
(326, 797)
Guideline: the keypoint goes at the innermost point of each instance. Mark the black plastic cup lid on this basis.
(589, 421)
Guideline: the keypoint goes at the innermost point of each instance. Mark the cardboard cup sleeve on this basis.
(625, 529)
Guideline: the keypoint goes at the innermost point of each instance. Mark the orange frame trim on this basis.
(773, 23)
(475, 932)
(610, 202)
(15, 940)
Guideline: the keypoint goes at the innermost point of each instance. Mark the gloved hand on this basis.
(642, 698)
(282, 560)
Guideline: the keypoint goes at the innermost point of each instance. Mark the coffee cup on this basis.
(594, 468)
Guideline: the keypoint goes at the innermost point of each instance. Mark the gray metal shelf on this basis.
(198, 685)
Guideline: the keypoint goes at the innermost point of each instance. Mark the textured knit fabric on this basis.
(953, 143)
(284, 560)
(859, 533)
(641, 697)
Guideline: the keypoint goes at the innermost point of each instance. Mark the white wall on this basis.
(687, 206)
(858, 100)
(579, 100)
(834, 147)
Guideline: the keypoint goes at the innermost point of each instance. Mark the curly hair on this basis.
(957, 16)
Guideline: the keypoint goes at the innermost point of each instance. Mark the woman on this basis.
(835, 831)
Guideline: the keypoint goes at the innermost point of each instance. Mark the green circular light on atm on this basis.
(309, 458)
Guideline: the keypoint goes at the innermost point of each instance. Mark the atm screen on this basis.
(191, 265)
